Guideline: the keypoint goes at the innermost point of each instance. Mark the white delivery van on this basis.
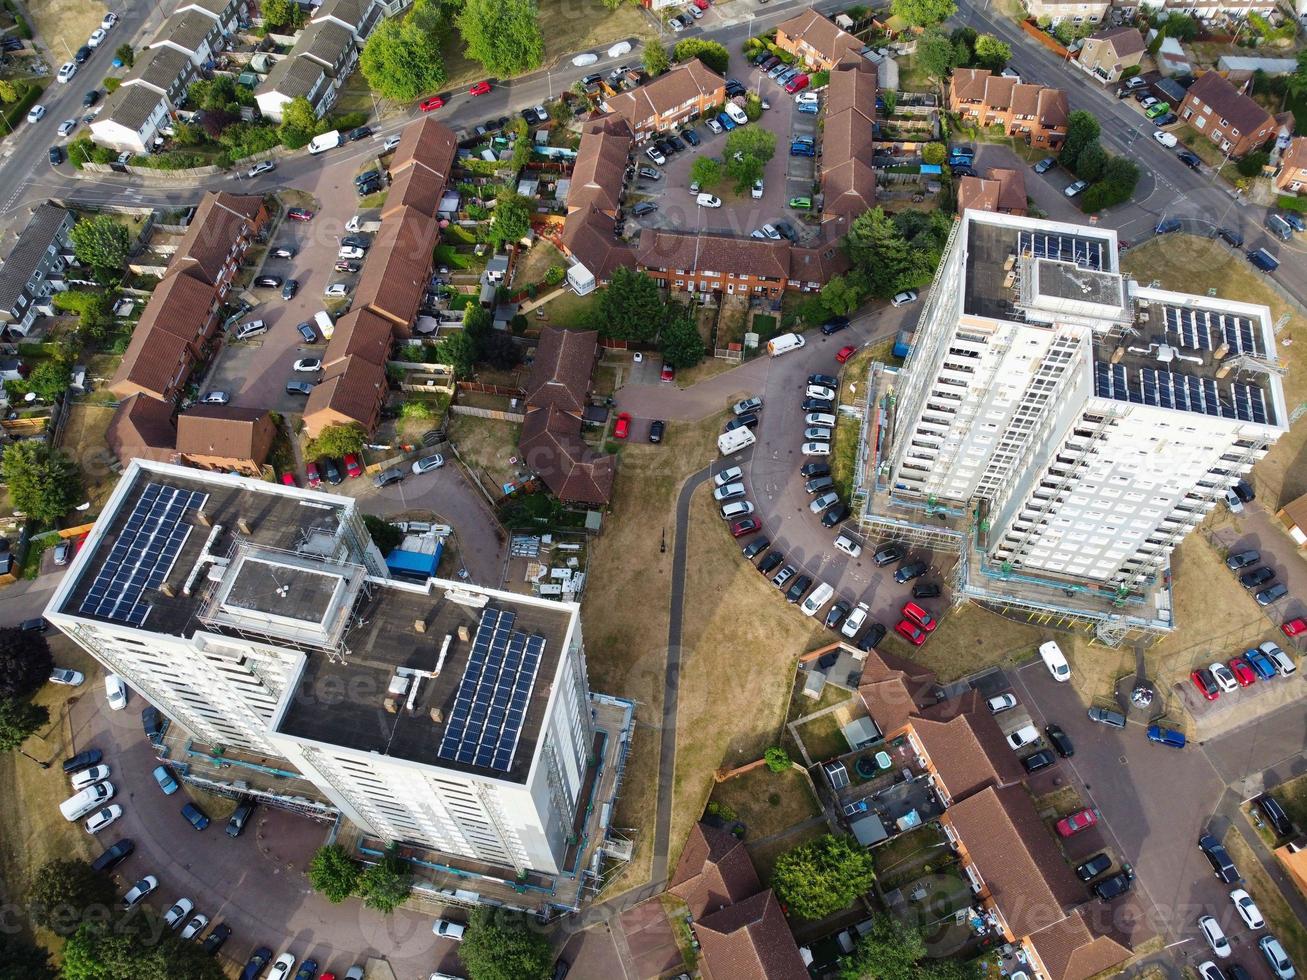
(325, 141)
(736, 114)
(785, 343)
(368, 221)
(735, 440)
(816, 599)
(326, 326)
(76, 807)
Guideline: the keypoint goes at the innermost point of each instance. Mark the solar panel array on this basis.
(1166, 389)
(491, 701)
(1207, 330)
(1084, 252)
(143, 555)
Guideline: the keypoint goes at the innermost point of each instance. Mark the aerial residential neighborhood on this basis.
(681, 489)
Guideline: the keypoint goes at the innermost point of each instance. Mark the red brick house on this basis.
(1225, 115)
(1035, 113)
(686, 91)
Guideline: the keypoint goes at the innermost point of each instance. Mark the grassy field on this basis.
(486, 445)
(1280, 920)
(83, 440)
(538, 260)
(569, 310)
(822, 737)
(972, 638)
(65, 25)
(767, 802)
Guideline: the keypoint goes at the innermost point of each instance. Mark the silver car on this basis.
(817, 433)
(824, 501)
(730, 491)
(428, 463)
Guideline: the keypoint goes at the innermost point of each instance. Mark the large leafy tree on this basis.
(64, 890)
(512, 217)
(101, 243)
(459, 351)
(923, 13)
(281, 13)
(401, 59)
(21, 960)
(50, 378)
(25, 662)
(843, 294)
(821, 877)
(332, 872)
(992, 53)
(681, 344)
(504, 35)
(937, 54)
(100, 952)
(501, 945)
(43, 482)
(1092, 161)
(1081, 130)
(655, 59)
(337, 440)
(897, 252)
(19, 719)
(386, 884)
(712, 54)
(892, 950)
(747, 152)
(630, 308)
(706, 171)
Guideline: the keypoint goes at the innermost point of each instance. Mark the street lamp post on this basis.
(43, 765)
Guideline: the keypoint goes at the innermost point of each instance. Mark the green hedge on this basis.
(28, 95)
(1290, 203)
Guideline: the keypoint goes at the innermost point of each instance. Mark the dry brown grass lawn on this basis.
(486, 445)
(969, 638)
(539, 258)
(83, 440)
(1293, 797)
(767, 802)
(65, 25)
(1280, 920)
(822, 738)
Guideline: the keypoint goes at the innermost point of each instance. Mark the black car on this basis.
(330, 471)
(290, 288)
(1242, 559)
(591, 79)
(755, 547)
(836, 613)
(386, 477)
(1094, 867)
(787, 230)
(56, 155)
(90, 98)
(1167, 225)
(239, 818)
(810, 470)
(888, 554)
(154, 723)
(677, 143)
(216, 937)
(927, 590)
(368, 187)
(875, 633)
(1244, 491)
(357, 241)
(1275, 815)
(663, 147)
(816, 405)
(1114, 886)
(911, 570)
(839, 512)
(692, 137)
(656, 430)
(362, 133)
(1060, 740)
(1219, 858)
(196, 817)
(268, 282)
(35, 625)
(825, 380)
(304, 388)
(367, 175)
(83, 54)
(114, 855)
(770, 561)
(307, 332)
(801, 585)
(740, 421)
(834, 325)
(254, 968)
(83, 760)
(1258, 576)
(1232, 236)
(1190, 160)
(1040, 760)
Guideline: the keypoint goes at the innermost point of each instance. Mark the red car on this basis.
(1295, 627)
(352, 467)
(480, 88)
(796, 84)
(919, 616)
(845, 353)
(1206, 683)
(701, 4)
(1076, 822)
(668, 373)
(1243, 672)
(623, 427)
(300, 214)
(747, 526)
(431, 103)
(910, 633)
(288, 478)
(311, 471)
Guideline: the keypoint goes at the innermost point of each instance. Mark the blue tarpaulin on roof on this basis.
(931, 168)
(413, 563)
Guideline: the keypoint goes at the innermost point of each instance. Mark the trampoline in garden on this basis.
(865, 766)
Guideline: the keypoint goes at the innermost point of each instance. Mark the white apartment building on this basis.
(1090, 423)
(259, 617)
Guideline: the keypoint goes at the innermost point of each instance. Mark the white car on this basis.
(1211, 930)
(1002, 703)
(115, 691)
(729, 491)
(180, 910)
(653, 154)
(97, 36)
(707, 201)
(336, 289)
(66, 72)
(728, 475)
(756, 192)
(215, 398)
(713, 125)
(391, 143)
(109, 20)
(428, 463)
(619, 49)
(1247, 909)
(139, 890)
(904, 298)
(771, 232)
(308, 364)
(262, 167)
(676, 25)
(1224, 678)
(1168, 140)
(815, 449)
(198, 921)
(280, 970)
(819, 418)
(36, 113)
(847, 545)
(825, 500)
(67, 126)
(70, 678)
(1026, 735)
(807, 98)
(1276, 958)
(89, 777)
(854, 621)
(1055, 661)
(820, 391)
(449, 930)
(102, 818)
(1148, 102)
(350, 252)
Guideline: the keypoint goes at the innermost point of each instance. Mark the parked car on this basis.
(1203, 680)
(1060, 740)
(1166, 736)
(178, 912)
(139, 890)
(1115, 885)
(114, 855)
(906, 573)
(154, 723)
(115, 692)
(390, 476)
(1224, 678)
(1076, 822)
(1268, 597)
(1094, 867)
(428, 463)
(1106, 716)
(304, 388)
(910, 632)
(1274, 814)
(1244, 675)
(1219, 859)
(1076, 188)
(1276, 958)
(1242, 559)
(163, 776)
(218, 935)
(1055, 661)
(749, 525)
(82, 760)
(1045, 165)
(1261, 663)
(916, 614)
(1039, 760)
(1002, 702)
(888, 554)
(1212, 932)
(904, 298)
(195, 816)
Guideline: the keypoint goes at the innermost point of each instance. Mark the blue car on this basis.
(1166, 736)
(809, 108)
(195, 816)
(164, 778)
(1261, 663)
(802, 150)
(727, 122)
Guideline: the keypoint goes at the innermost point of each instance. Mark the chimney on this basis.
(437, 716)
(391, 706)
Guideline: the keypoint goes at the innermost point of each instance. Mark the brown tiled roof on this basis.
(180, 305)
(966, 745)
(977, 194)
(352, 390)
(691, 252)
(552, 448)
(360, 333)
(817, 263)
(417, 188)
(683, 83)
(847, 136)
(421, 167)
(226, 432)
(155, 362)
(969, 83)
(1295, 157)
(560, 373)
(852, 90)
(750, 940)
(142, 427)
(588, 238)
(1011, 188)
(999, 90)
(894, 689)
(1014, 852)
(1125, 41)
(1227, 102)
(599, 170)
(848, 190)
(1053, 111)
(820, 34)
(1070, 950)
(219, 220)
(714, 871)
(395, 273)
(1025, 99)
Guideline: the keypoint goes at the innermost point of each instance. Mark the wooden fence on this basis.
(1046, 40)
(488, 413)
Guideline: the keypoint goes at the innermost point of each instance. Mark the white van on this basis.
(785, 343)
(252, 329)
(326, 326)
(847, 545)
(817, 598)
(76, 807)
(325, 141)
(735, 440)
(736, 114)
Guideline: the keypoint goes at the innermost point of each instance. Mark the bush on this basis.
(28, 94)
(1252, 164)
(348, 120)
(778, 760)
(246, 139)
(819, 79)
(1130, 71)
(933, 153)
(111, 84)
(554, 275)
(1289, 203)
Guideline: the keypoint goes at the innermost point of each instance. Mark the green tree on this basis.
(936, 53)
(504, 35)
(1081, 129)
(500, 350)
(387, 538)
(281, 13)
(101, 243)
(401, 58)
(332, 872)
(125, 54)
(843, 294)
(712, 54)
(8, 93)
(933, 153)
(879, 251)
(22, 960)
(1092, 161)
(299, 121)
(43, 482)
(64, 890)
(891, 950)
(100, 952)
(478, 324)
(706, 172)
(336, 440)
(821, 877)
(386, 884)
(1123, 173)
(511, 218)
(50, 378)
(19, 719)
(1295, 83)
(1180, 26)
(747, 151)
(459, 351)
(1253, 164)
(655, 59)
(923, 13)
(992, 53)
(778, 760)
(502, 945)
(679, 341)
(964, 42)
(753, 107)
(630, 308)
(25, 662)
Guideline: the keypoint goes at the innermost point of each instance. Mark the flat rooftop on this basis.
(482, 710)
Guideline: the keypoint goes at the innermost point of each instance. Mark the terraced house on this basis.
(685, 92)
(817, 41)
(1226, 116)
(1292, 176)
(325, 54)
(1036, 113)
(34, 269)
